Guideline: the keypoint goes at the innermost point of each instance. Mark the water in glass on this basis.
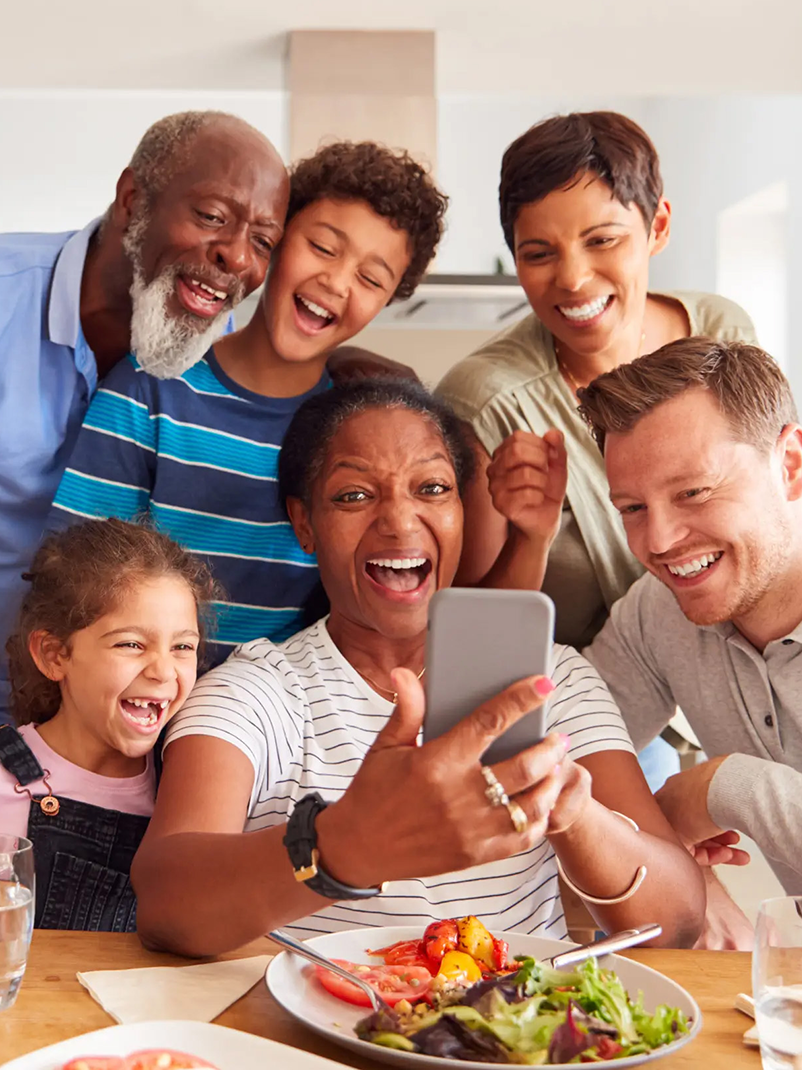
(777, 982)
(779, 1024)
(16, 926)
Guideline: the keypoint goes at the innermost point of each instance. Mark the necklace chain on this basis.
(386, 690)
(566, 371)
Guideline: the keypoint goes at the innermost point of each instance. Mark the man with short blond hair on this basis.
(703, 452)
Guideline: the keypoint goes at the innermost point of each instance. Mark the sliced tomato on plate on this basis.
(393, 983)
(404, 953)
(164, 1059)
(96, 1062)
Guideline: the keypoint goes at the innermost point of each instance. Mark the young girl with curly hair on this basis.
(199, 454)
(104, 654)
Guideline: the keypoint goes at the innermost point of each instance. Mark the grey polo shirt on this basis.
(739, 702)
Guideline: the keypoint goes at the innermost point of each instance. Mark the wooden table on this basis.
(52, 1006)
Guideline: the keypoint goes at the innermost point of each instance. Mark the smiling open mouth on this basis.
(580, 314)
(200, 298)
(312, 315)
(402, 574)
(695, 567)
(144, 713)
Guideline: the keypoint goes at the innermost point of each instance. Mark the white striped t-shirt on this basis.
(305, 718)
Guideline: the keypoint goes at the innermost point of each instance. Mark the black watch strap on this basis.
(300, 840)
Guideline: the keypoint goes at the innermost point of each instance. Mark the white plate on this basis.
(228, 1049)
(292, 983)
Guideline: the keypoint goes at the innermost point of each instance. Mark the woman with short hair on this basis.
(583, 212)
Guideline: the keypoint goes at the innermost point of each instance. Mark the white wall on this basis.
(63, 150)
(753, 270)
(716, 152)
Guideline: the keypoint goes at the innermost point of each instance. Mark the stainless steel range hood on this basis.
(445, 302)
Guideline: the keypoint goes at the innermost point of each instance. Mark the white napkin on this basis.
(163, 993)
(746, 1005)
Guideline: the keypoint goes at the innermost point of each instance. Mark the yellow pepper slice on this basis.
(457, 966)
(475, 940)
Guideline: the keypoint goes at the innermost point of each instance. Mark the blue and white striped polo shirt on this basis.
(198, 455)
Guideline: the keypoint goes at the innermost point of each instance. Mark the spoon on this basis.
(615, 942)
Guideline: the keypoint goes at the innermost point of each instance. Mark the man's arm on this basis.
(110, 471)
(756, 796)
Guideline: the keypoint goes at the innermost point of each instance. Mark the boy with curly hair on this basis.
(199, 454)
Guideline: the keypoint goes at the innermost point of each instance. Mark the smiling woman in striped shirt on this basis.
(372, 474)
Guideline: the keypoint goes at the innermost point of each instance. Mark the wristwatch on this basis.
(301, 843)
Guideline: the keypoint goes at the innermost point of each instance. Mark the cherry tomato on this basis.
(163, 1059)
(393, 983)
(439, 937)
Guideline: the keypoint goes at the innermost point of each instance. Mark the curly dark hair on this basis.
(76, 577)
(392, 183)
(551, 154)
(318, 420)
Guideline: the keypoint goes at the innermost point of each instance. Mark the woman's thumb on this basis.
(405, 721)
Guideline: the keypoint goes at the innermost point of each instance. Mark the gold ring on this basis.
(517, 816)
(495, 793)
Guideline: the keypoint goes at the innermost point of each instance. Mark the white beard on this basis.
(164, 345)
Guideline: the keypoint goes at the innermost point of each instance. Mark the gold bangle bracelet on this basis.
(638, 880)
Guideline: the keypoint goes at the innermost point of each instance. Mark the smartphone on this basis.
(479, 642)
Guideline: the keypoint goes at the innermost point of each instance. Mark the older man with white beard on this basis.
(189, 234)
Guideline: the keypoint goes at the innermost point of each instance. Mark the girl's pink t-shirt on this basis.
(129, 795)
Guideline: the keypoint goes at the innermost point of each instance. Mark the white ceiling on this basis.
(504, 46)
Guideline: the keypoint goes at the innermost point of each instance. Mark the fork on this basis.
(305, 951)
(606, 946)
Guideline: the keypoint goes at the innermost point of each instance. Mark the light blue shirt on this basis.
(48, 375)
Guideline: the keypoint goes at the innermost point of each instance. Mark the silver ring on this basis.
(517, 816)
(494, 792)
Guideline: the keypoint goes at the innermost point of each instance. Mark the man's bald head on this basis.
(171, 144)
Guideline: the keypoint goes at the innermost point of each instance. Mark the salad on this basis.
(456, 994)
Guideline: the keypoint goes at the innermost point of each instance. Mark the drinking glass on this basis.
(17, 897)
(777, 982)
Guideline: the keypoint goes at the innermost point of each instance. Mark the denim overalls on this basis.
(82, 853)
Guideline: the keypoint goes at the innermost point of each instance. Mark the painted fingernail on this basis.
(555, 771)
(566, 741)
(544, 686)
